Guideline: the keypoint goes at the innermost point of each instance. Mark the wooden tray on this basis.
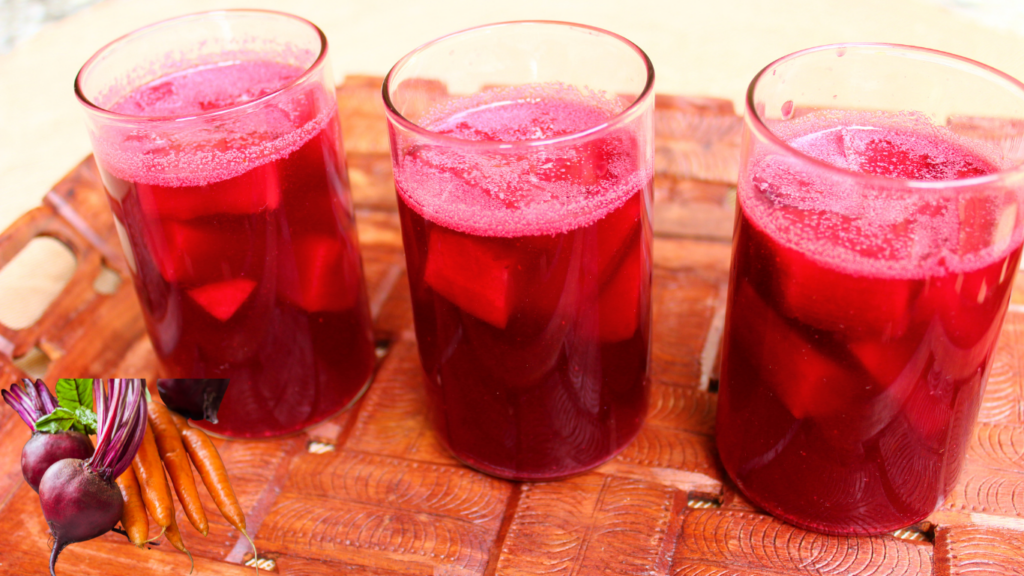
(372, 492)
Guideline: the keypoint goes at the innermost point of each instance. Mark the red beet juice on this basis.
(242, 244)
(530, 280)
(854, 359)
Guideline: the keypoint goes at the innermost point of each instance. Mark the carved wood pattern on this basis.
(1004, 392)
(735, 538)
(659, 447)
(682, 408)
(395, 421)
(588, 525)
(978, 551)
(998, 446)
(371, 490)
(987, 491)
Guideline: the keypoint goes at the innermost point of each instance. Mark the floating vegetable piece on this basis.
(223, 299)
(327, 269)
(193, 398)
(79, 497)
(619, 302)
(473, 275)
(53, 438)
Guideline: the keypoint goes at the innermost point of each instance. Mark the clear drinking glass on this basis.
(218, 142)
(878, 235)
(523, 161)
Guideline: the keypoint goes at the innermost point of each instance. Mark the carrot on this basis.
(150, 473)
(211, 469)
(174, 537)
(155, 492)
(172, 452)
(180, 422)
(133, 518)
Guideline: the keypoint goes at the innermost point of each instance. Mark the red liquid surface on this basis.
(851, 378)
(532, 311)
(245, 268)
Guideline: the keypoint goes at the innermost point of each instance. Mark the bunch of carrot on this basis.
(171, 444)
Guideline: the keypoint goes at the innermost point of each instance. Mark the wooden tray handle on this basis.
(45, 222)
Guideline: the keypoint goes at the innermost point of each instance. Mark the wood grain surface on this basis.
(371, 491)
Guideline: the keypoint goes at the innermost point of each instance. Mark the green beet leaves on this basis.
(75, 408)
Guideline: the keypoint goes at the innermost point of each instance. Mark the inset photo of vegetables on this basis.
(104, 456)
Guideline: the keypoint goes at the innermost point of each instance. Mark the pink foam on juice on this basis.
(205, 146)
(515, 255)
(519, 191)
(199, 90)
(868, 234)
(239, 230)
(861, 323)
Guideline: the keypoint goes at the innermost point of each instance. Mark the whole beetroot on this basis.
(79, 497)
(33, 402)
(78, 503)
(44, 450)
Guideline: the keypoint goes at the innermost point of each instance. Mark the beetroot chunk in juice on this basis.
(241, 241)
(852, 371)
(530, 280)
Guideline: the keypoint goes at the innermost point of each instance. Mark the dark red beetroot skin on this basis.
(42, 450)
(78, 504)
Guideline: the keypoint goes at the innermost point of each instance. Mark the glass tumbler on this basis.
(523, 162)
(878, 233)
(218, 142)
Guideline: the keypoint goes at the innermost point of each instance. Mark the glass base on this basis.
(355, 399)
(852, 530)
(537, 476)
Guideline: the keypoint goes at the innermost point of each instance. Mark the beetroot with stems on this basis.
(79, 497)
(33, 402)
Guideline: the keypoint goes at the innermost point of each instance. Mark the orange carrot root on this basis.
(176, 461)
(152, 483)
(211, 469)
(133, 518)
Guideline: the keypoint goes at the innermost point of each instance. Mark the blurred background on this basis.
(20, 19)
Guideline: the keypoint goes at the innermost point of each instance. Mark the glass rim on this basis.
(756, 123)
(619, 118)
(94, 108)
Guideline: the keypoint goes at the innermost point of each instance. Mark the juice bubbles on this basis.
(861, 321)
(530, 276)
(230, 195)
